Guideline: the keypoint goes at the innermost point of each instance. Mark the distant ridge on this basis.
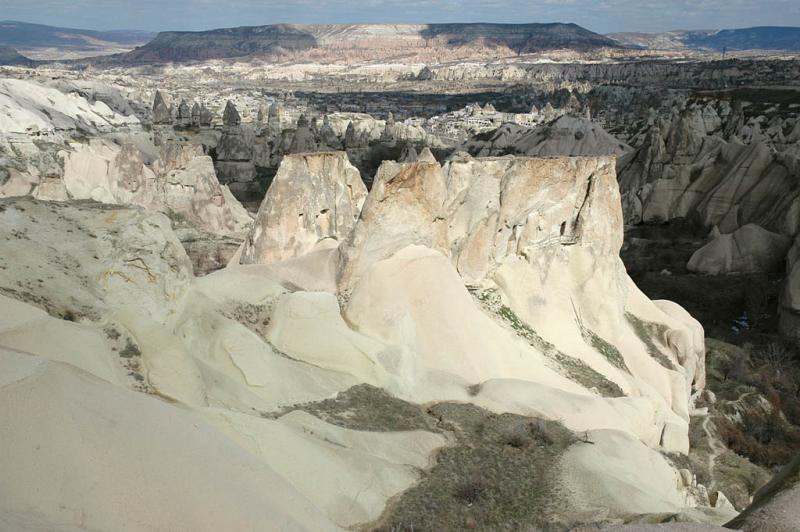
(10, 57)
(780, 38)
(27, 36)
(375, 39)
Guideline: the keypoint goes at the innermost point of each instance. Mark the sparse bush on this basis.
(472, 488)
(778, 358)
(517, 437)
(543, 432)
(130, 350)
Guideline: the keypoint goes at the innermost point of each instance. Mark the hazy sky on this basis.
(598, 15)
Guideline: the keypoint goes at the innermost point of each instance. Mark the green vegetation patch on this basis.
(647, 331)
(571, 367)
(608, 350)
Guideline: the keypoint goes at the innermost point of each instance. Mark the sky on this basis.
(603, 16)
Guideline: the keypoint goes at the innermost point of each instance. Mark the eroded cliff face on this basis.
(708, 163)
(532, 245)
(493, 283)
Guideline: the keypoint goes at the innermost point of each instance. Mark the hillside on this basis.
(28, 37)
(377, 41)
(9, 56)
(756, 38)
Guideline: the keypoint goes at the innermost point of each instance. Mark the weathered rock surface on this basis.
(749, 249)
(405, 206)
(494, 282)
(790, 299)
(536, 237)
(684, 166)
(88, 259)
(567, 136)
(28, 107)
(776, 506)
(162, 113)
(182, 181)
(313, 197)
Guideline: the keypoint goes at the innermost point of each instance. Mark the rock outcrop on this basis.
(683, 167)
(491, 283)
(538, 240)
(564, 136)
(776, 506)
(313, 197)
(303, 139)
(181, 182)
(234, 163)
(749, 249)
(89, 260)
(790, 298)
(162, 113)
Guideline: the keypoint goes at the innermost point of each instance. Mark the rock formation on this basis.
(567, 135)
(776, 506)
(683, 168)
(274, 121)
(328, 138)
(313, 197)
(234, 163)
(749, 249)
(230, 116)
(195, 114)
(182, 181)
(494, 282)
(92, 259)
(790, 298)
(162, 113)
(303, 140)
(184, 115)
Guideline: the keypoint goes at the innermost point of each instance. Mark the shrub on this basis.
(472, 488)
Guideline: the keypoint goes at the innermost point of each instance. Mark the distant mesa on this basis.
(281, 39)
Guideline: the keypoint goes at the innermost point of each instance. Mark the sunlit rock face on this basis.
(86, 259)
(492, 283)
(313, 197)
(536, 240)
(181, 181)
